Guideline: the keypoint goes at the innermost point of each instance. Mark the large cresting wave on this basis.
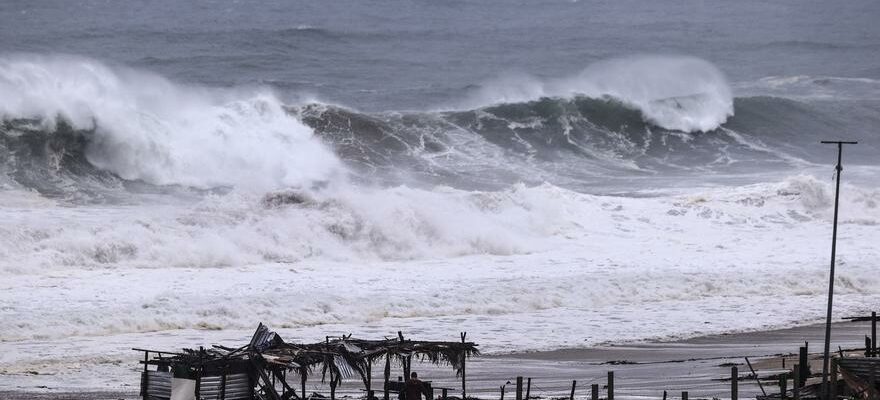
(677, 93)
(139, 126)
(73, 127)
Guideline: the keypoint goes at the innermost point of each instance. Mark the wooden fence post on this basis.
(502, 391)
(519, 388)
(734, 383)
(795, 387)
(463, 371)
(805, 365)
(145, 381)
(874, 333)
(594, 391)
(573, 384)
(782, 386)
(610, 385)
(528, 388)
(684, 395)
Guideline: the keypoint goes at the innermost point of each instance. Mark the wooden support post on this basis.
(594, 391)
(664, 395)
(528, 388)
(610, 385)
(795, 385)
(755, 374)
(734, 383)
(519, 388)
(782, 386)
(867, 346)
(387, 376)
(463, 371)
(684, 395)
(198, 383)
(145, 381)
(445, 393)
(573, 384)
(369, 376)
(872, 382)
(223, 384)
(805, 366)
(502, 391)
(302, 382)
(371, 394)
(333, 382)
(874, 333)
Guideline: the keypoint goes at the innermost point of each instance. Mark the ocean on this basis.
(541, 174)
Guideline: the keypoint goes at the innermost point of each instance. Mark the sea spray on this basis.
(673, 92)
(147, 128)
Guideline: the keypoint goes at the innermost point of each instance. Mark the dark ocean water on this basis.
(543, 174)
(409, 82)
(392, 55)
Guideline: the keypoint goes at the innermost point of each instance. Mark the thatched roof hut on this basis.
(267, 359)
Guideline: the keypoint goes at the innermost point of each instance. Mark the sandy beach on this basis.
(645, 370)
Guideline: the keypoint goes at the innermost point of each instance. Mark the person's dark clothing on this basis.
(414, 389)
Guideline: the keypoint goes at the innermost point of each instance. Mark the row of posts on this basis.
(594, 389)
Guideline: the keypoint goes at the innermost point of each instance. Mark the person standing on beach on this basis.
(414, 387)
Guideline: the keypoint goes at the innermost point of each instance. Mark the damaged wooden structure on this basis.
(264, 368)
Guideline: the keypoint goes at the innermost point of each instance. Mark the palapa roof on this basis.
(340, 356)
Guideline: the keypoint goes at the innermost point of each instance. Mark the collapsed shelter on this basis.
(259, 370)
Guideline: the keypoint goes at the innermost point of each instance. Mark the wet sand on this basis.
(698, 365)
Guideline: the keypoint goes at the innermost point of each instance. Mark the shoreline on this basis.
(641, 370)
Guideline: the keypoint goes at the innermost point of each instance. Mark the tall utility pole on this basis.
(839, 168)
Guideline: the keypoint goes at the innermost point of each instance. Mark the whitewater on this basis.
(592, 209)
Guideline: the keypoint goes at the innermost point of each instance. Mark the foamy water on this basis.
(143, 212)
(525, 269)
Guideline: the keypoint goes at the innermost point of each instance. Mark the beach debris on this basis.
(259, 370)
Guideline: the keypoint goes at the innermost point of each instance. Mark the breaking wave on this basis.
(677, 93)
(76, 115)
(78, 129)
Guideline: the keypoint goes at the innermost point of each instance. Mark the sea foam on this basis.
(673, 92)
(148, 128)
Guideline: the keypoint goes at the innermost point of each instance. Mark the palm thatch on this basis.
(338, 357)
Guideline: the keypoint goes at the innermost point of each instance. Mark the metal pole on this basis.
(826, 357)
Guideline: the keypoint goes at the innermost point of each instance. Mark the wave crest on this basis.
(144, 127)
(678, 93)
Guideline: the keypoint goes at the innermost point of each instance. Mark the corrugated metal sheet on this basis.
(158, 384)
(238, 387)
(864, 368)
